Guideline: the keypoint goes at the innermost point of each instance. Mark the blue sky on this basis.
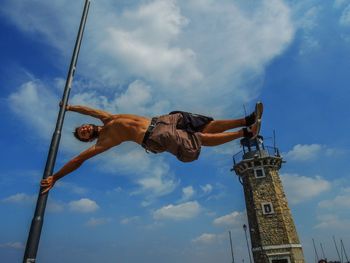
(151, 57)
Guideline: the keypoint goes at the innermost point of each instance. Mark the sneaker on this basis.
(256, 115)
(253, 131)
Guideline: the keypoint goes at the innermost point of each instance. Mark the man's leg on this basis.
(219, 126)
(214, 139)
(224, 125)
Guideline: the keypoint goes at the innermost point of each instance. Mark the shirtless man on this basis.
(179, 133)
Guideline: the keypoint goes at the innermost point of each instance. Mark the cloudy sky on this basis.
(151, 57)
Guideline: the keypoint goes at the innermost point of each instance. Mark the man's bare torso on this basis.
(123, 127)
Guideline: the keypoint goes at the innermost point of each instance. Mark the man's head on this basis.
(86, 132)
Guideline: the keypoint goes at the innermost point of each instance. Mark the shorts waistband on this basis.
(149, 132)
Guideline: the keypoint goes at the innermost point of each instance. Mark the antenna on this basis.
(343, 248)
(245, 110)
(233, 259)
(316, 254)
(246, 238)
(336, 247)
(323, 254)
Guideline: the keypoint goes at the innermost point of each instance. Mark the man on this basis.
(179, 133)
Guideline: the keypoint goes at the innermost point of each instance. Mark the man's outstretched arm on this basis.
(100, 114)
(72, 165)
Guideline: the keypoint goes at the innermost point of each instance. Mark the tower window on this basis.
(279, 259)
(283, 260)
(259, 172)
(267, 208)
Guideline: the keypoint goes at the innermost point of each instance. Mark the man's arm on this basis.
(100, 114)
(72, 165)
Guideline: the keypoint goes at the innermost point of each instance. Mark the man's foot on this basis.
(253, 131)
(256, 115)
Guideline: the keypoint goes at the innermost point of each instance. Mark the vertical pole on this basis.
(316, 254)
(323, 254)
(233, 259)
(346, 255)
(246, 238)
(274, 141)
(336, 247)
(37, 222)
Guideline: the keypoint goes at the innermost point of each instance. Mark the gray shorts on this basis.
(166, 137)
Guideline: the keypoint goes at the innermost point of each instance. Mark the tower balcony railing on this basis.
(265, 151)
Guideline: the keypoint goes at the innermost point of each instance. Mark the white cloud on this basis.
(207, 189)
(83, 205)
(154, 60)
(339, 3)
(14, 245)
(308, 22)
(20, 198)
(170, 49)
(72, 187)
(178, 212)
(341, 201)
(302, 188)
(151, 174)
(187, 193)
(55, 207)
(233, 219)
(206, 238)
(304, 152)
(149, 51)
(345, 17)
(157, 184)
(43, 19)
(97, 221)
(138, 98)
(332, 221)
(333, 211)
(309, 152)
(33, 104)
(129, 220)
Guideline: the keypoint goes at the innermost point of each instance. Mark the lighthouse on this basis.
(273, 235)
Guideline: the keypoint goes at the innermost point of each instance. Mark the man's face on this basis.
(85, 131)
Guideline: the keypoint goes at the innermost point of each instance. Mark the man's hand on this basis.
(67, 106)
(47, 184)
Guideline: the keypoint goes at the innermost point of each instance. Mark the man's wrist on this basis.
(55, 178)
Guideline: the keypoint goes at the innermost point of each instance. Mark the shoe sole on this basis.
(258, 124)
(259, 109)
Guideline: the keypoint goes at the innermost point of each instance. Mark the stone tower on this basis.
(274, 238)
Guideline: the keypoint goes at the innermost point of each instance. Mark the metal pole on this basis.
(37, 222)
(233, 259)
(336, 247)
(245, 111)
(246, 238)
(316, 254)
(342, 245)
(323, 254)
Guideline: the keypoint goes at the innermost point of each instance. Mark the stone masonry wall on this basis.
(268, 230)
